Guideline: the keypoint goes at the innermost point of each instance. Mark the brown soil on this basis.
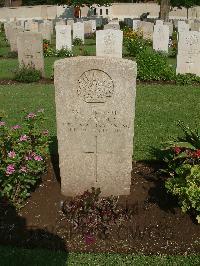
(157, 227)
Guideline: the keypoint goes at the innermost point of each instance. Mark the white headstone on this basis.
(78, 31)
(109, 43)
(45, 29)
(161, 37)
(30, 50)
(188, 58)
(136, 24)
(95, 107)
(63, 37)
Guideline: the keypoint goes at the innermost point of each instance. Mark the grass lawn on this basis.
(158, 109)
(22, 257)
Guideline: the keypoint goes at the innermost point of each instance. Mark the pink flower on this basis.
(23, 138)
(38, 158)
(11, 154)
(31, 115)
(16, 127)
(10, 169)
(23, 169)
(2, 123)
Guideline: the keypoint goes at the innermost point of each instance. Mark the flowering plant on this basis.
(182, 161)
(23, 156)
(93, 215)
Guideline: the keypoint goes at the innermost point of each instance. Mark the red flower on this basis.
(197, 153)
(177, 150)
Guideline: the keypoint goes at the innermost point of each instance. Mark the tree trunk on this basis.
(164, 10)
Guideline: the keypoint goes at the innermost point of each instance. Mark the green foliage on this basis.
(134, 46)
(184, 3)
(182, 163)
(12, 54)
(77, 42)
(153, 65)
(92, 215)
(23, 157)
(185, 185)
(27, 74)
(187, 79)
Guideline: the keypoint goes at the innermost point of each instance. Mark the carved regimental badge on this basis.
(95, 86)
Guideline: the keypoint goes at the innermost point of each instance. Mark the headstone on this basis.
(136, 25)
(70, 22)
(183, 27)
(14, 31)
(147, 30)
(95, 123)
(161, 37)
(45, 29)
(195, 26)
(110, 26)
(50, 23)
(60, 22)
(78, 31)
(30, 50)
(63, 37)
(188, 57)
(171, 28)
(89, 26)
(31, 26)
(109, 43)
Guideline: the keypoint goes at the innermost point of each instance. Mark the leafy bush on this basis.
(12, 54)
(27, 74)
(63, 53)
(173, 45)
(92, 215)
(77, 42)
(186, 186)
(23, 157)
(182, 163)
(153, 65)
(187, 79)
(135, 45)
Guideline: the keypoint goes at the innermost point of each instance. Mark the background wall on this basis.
(118, 10)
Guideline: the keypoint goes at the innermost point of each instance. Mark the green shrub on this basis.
(135, 45)
(182, 163)
(153, 65)
(187, 79)
(77, 42)
(23, 157)
(27, 74)
(12, 54)
(63, 53)
(185, 185)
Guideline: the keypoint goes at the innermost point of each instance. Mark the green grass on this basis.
(158, 109)
(23, 257)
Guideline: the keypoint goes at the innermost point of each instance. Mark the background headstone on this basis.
(188, 58)
(78, 30)
(63, 37)
(161, 37)
(109, 43)
(30, 50)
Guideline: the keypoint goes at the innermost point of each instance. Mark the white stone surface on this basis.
(109, 43)
(147, 29)
(95, 107)
(30, 50)
(78, 31)
(161, 37)
(89, 26)
(46, 31)
(188, 58)
(63, 37)
(136, 24)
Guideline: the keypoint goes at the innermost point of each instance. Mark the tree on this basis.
(165, 6)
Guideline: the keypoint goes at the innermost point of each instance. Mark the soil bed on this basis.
(157, 227)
